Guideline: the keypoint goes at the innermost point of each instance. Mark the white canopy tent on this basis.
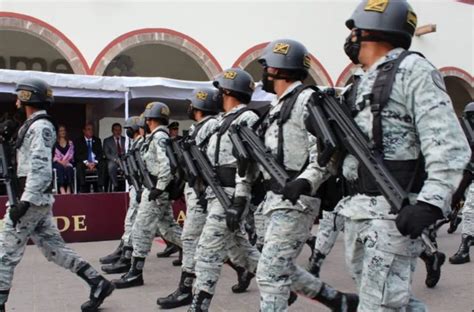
(117, 89)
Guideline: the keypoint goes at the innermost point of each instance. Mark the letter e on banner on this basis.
(79, 223)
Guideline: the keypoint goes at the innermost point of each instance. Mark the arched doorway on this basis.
(31, 44)
(157, 52)
(249, 62)
(460, 87)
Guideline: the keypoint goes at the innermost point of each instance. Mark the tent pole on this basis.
(126, 137)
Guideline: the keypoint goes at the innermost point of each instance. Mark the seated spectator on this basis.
(63, 161)
(114, 147)
(89, 159)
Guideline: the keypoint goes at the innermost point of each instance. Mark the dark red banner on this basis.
(93, 217)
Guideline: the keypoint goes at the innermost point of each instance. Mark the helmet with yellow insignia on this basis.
(393, 18)
(286, 54)
(238, 82)
(157, 110)
(35, 92)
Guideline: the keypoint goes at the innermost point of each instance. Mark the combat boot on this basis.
(122, 265)
(244, 277)
(315, 263)
(114, 256)
(179, 261)
(100, 289)
(201, 302)
(2, 308)
(337, 301)
(462, 255)
(433, 265)
(169, 250)
(292, 298)
(181, 296)
(134, 277)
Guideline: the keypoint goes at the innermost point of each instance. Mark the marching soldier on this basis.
(235, 88)
(32, 217)
(134, 129)
(403, 108)
(154, 211)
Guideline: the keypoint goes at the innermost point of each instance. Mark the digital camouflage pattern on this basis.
(35, 163)
(158, 214)
(418, 118)
(468, 212)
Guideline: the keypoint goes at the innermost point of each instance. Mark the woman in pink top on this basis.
(63, 161)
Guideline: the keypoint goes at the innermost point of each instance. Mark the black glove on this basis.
(154, 194)
(18, 211)
(413, 219)
(294, 189)
(234, 213)
(138, 196)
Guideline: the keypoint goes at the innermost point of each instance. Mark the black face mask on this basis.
(352, 48)
(190, 112)
(21, 113)
(130, 133)
(219, 99)
(147, 129)
(268, 85)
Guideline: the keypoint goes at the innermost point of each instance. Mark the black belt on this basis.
(409, 174)
(272, 185)
(226, 176)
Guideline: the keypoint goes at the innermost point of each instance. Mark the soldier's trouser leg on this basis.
(37, 224)
(213, 247)
(260, 226)
(192, 229)
(329, 227)
(382, 262)
(287, 232)
(167, 225)
(130, 218)
(468, 217)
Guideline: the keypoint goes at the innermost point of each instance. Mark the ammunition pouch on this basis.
(226, 176)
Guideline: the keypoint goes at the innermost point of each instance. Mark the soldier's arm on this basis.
(243, 185)
(313, 173)
(38, 180)
(163, 163)
(442, 141)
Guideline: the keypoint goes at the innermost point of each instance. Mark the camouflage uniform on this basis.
(216, 238)
(287, 226)
(35, 164)
(329, 227)
(133, 204)
(153, 215)
(417, 118)
(468, 212)
(195, 213)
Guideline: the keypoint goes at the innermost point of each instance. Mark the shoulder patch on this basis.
(438, 80)
(47, 137)
(162, 142)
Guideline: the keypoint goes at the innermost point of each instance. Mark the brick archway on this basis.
(451, 71)
(317, 71)
(164, 36)
(47, 33)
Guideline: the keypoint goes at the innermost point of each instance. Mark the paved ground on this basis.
(40, 286)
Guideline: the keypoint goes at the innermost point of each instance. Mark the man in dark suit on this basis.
(114, 147)
(89, 159)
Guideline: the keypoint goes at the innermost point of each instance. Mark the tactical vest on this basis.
(410, 174)
(19, 142)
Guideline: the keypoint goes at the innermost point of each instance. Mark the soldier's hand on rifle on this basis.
(234, 213)
(154, 194)
(413, 219)
(294, 189)
(18, 211)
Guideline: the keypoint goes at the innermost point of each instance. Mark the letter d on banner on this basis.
(66, 225)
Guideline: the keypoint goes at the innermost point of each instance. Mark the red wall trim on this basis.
(53, 30)
(460, 72)
(171, 32)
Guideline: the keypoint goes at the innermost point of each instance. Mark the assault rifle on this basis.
(335, 129)
(7, 167)
(208, 175)
(124, 165)
(248, 146)
(147, 181)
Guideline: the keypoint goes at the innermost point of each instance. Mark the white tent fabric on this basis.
(87, 86)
